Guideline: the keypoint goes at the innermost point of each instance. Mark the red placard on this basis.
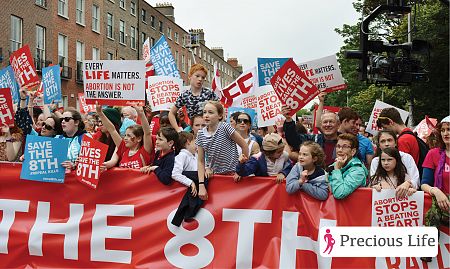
(293, 87)
(125, 223)
(91, 157)
(84, 108)
(6, 108)
(23, 66)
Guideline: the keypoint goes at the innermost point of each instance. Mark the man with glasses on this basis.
(389, 119)
(348, 172)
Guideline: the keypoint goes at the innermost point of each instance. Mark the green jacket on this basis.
(346, 180)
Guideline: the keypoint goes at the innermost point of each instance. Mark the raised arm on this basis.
(319, 111)
(109, 126)
(148, 145)
(173, 118)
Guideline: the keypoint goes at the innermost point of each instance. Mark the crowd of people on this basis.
(337, 160)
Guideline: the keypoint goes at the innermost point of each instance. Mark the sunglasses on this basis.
(48, 127)
(67, 119)
(246, 121)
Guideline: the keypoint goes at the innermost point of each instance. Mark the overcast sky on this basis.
(247, 29)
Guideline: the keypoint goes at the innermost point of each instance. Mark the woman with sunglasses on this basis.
(73, 130)
(244, 126)
(51, 127)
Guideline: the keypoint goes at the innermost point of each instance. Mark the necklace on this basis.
(390, 182)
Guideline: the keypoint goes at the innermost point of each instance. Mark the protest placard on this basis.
(163, 91)
(83, 107)
(23, 66)
(324, 73)
(51, 84)
(7, 80)
(372, 125)
(425, 128)
(162, 59)
(333, 109)
(91, 157)
(146, 50)
(267, 67)
(293, 87)
(43, 158)
(6, 108)
(251, 112)
(269, 106)
(241, 89)
(112, 82)
(389, 211)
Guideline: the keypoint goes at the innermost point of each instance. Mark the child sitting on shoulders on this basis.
(186, 160)
(167, 147)
(308, 174)
(271, 161)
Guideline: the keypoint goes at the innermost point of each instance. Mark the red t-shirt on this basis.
(432, 162)
(140, 159)
(328, 148)
(408, 144)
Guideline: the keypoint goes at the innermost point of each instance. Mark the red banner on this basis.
(84, 108)
(92, 155)
(125, 223)
(6, 108)
(293, 87)
(23, 66)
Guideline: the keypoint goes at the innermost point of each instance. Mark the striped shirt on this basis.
(220, 148)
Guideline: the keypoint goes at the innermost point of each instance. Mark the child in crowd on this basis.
(186, 160)
(135, 149)
(194, 98)
(391, 172)
(197, 123)
(271, 161)
(167, 147)
(217, 141)
(308, 174)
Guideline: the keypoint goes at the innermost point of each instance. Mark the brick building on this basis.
(66, 32)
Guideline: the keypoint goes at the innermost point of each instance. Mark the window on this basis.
(95, 18)
(80, 59)
(152, 42)
(161, 27)
(42, 3)
(133, 8)
(183, 66)
(109, 56)
(62, 50)
(152, 21)
(62, 8)
(176, 58)
(169, 33)
(183, 41)
(143, 38)
(122, 4)
(189, 62)
(109, 26)
(133, 37)
(176, 38)
(121, 32)
(16, 33)
(40, 47)
(80, 11)
(144, 15)
(95, 53)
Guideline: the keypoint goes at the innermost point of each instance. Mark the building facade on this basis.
(66, 32)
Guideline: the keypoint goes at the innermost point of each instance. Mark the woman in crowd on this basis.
(348, 172)
(51, 127)
(73, 130)
(244, 126)
(11, 140)
(194, 98)
(217, 141)
(388, 139)
(308, 174)
(135, 150)
(391, 173)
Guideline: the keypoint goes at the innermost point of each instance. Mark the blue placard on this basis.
(162, 59)
(7, 80)
(249, 111)
(51, 87)
(267, 67)
(43, 158)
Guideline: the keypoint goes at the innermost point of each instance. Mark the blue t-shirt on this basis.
(365, 147)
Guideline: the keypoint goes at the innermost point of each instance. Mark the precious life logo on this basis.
(378, 241)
